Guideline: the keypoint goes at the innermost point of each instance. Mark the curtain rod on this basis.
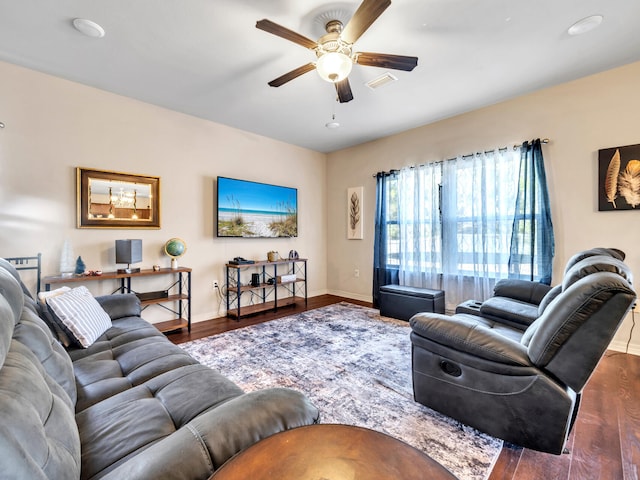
(515, 147)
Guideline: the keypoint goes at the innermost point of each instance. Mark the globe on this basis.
(175, 248)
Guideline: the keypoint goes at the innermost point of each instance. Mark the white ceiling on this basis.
(206, 58)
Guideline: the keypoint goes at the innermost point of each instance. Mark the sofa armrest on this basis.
(522, 290)
(196, 450)
(245, 420)
(464, 334)
(120, 305)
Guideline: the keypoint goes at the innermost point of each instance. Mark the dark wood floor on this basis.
(604, 444)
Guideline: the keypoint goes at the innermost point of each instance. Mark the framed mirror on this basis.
(117, 200)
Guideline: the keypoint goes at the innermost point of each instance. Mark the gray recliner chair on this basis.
(520, 385)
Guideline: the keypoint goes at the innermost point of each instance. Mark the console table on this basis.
(279, 283)
(181, 294)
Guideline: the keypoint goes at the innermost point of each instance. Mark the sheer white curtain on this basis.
(419, 225)
(455, 221)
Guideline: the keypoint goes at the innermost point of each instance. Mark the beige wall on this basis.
(579, 117)
(54, 126)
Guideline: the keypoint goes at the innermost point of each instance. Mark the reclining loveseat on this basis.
(523, 383)
(518, 303)
(131, 405)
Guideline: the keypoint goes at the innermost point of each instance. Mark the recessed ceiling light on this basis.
(585, 25)
(89, 28)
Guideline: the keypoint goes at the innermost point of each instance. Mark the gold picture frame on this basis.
(108, 199)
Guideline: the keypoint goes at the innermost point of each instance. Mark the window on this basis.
(449, 225)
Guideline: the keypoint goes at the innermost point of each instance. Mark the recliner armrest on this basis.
(463, 333)
(522, 290)
(120, 305)
(515, 312)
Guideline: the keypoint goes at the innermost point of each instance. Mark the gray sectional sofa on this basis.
(130, 406)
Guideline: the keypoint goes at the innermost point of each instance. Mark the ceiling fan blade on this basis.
(344, 91)
(367, 13)
(395, 62)
(287, 77)
(280, 31)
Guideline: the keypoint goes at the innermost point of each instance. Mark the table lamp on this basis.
(128, 251)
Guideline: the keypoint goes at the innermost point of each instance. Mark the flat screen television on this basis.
(256, 210)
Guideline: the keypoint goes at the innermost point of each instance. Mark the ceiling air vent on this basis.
(383, 79)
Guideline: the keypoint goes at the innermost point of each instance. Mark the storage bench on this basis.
(402, 302)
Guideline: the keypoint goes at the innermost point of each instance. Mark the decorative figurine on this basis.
(80, 267)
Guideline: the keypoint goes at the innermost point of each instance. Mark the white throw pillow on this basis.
(43, 296)
(81, 314)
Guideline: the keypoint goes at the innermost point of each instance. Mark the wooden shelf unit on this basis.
(268, 295)
(182, 298)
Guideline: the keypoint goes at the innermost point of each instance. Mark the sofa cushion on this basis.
(130, 353)
(81, 314)
(11, 311)
(11, 269)
(592, 252)
(36, 423)
(33, 333)
(593, 264)
(548, 298)
(574, 331)
(134, 419)
(38, 434)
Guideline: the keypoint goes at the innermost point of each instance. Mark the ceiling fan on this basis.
(335, 49)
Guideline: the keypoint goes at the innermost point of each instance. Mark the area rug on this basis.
(355, 366)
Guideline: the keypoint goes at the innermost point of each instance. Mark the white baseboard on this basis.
(354, 296)
(222, 312)
(621, 346)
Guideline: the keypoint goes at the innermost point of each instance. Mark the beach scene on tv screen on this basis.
(252, 209)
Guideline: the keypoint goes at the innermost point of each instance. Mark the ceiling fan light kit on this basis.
(334, 51)
(334, 66)
(334, 55)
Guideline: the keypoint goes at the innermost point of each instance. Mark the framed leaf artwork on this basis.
(354, 213)
(619, 178)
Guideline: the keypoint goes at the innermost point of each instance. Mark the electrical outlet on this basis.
(356, 273)
(215, 284)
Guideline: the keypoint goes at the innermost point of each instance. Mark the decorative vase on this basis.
(80, 267)
(67, 260)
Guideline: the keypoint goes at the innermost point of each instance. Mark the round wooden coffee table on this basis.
(331, 452)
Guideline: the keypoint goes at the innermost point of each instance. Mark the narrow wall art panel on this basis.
(619, 178)
(354, 213)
